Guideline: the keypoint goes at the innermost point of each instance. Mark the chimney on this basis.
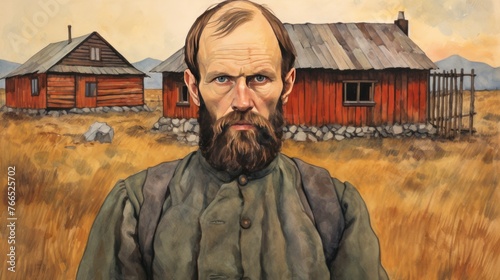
(402, 23)
(69, 34)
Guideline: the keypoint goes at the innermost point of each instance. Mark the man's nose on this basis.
(242, 100)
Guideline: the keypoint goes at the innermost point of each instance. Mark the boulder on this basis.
(328, 136)
(86, 110)
(191, 138)
(350, 129)
(164, 120)
(293, 129)
(312, 138)
(188, 126)
(99, 131)
(300, 136)
(341, 130)
(339, 137)
(397, 129)
(176, 122)
(116, 109)
(318, 134)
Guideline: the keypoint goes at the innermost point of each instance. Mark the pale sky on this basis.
(157, 28)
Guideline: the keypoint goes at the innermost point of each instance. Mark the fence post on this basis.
(461, 102)
(455, 109)
(443, 104)
(472, 89)
(438, 101)
(432, 97)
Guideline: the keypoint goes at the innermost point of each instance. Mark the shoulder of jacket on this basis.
(150, 181)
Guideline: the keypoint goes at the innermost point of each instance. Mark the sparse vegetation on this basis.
(433, 203)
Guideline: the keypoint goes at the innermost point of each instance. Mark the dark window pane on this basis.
(351, 91)
(364, 91)
(184, 94)
(90, 89)
(34, 86)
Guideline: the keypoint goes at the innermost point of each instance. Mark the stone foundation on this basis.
(59, 112)
(187, 131)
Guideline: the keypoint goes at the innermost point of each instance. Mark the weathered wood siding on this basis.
(60, 91)
(317, 98)
(172, 82)
(83, 101)
(120, 91)
(400, 96)
(18, 92)
(81, 55)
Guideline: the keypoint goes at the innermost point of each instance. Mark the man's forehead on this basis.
(255, 32)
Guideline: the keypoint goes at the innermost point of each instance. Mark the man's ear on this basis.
(288, 85)
(190, 82)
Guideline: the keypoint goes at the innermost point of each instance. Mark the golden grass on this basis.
(434, 204)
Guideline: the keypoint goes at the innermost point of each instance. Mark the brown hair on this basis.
(229, 21)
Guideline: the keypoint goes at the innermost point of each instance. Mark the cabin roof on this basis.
(47, 59)
(342, 46)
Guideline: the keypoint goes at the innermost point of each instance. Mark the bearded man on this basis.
(237, 208)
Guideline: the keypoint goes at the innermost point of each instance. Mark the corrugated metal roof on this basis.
(46, 60)
(175, 63)
(342, 46)
(95, 70)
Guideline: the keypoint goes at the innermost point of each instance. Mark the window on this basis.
(90, 89)
(34, 87)
(95, 53)
(358, 93)
(183, 98)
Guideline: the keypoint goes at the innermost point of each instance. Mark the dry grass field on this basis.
(433, 203)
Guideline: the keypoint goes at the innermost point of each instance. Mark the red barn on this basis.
(347, 73)
(76, 73)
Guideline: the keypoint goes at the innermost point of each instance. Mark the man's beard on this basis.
(243, 151)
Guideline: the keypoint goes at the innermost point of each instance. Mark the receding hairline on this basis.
(231, 16)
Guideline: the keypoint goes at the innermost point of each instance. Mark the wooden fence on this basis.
(451, 107)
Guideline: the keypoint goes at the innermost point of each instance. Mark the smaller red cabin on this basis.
(76, 73)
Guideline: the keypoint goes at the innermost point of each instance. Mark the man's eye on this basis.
(222, 79)
(260, 78)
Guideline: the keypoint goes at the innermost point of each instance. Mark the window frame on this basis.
(88, 89)
(358, 102)
(95, 53)
(35, 89)
(181, 91)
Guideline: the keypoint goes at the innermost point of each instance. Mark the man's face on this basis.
(241, 71)
(241, 86)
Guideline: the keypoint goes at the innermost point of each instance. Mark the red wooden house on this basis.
(76, 73)
(347, 73)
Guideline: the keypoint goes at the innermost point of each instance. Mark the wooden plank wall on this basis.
(171, 84)
(83, 101)
(18, 92)
(317, 98)
(60, 91)
(120, 91)
(81, 55)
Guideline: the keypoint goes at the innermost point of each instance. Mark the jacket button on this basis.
(242, 180)
(246, 223)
